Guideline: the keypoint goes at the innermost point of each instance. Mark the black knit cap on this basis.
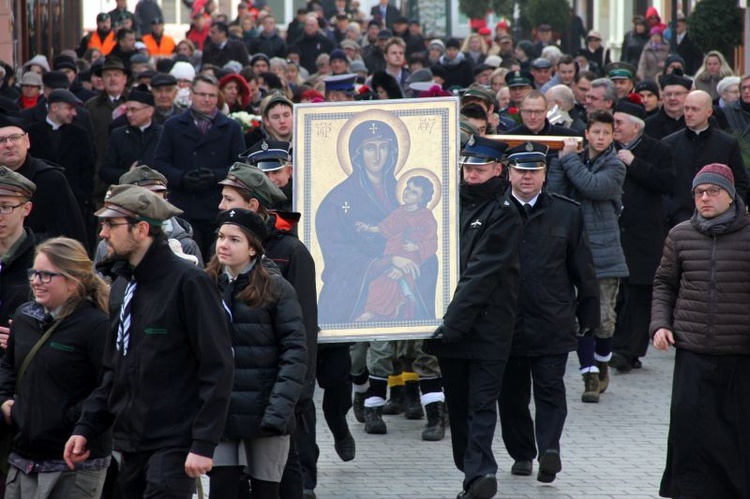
(246, 219)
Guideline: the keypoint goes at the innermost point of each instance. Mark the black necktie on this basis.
(527, 208)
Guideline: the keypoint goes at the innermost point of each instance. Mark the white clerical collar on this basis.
(54, 125)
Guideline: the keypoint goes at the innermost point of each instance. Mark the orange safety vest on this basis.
(166, 48)
(105, 46)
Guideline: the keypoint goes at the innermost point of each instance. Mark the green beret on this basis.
(139, 203)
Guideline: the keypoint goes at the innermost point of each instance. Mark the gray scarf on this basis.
(717, 225)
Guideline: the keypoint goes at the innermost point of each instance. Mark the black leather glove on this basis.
(191, 181)
(447, 334)
(207, 178)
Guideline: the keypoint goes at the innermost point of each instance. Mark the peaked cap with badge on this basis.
(528, 156)
(620, 71)
(139, 203)
(268, 155)
(481, 150)
(519, 78)
(252, 179)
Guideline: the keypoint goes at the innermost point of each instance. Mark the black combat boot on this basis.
(435, 429)
(413, 403)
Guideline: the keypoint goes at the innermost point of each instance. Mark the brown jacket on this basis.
(702, 287)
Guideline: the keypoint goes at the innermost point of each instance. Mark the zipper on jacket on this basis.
(712, 295)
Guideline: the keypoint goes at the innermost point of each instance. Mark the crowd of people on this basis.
(154, 291)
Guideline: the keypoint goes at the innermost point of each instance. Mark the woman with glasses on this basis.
(268, 340)
(51, 366)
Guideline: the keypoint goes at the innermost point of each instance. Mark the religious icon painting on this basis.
(377, 185)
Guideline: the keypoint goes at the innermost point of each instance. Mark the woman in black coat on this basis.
(43, 401)
(268, 339)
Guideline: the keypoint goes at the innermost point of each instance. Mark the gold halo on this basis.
(398, 127)
(413, 173)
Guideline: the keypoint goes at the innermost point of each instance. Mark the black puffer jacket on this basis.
(270, 360)
(702, 287)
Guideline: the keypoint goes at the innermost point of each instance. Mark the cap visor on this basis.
(528, 166)
(109, 213)
(270, 166)
(233, 183)
(475, 160)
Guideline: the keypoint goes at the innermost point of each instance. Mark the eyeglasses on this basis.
(44, 276)
(106, 224)
(204, 95)
(8, 209)
(16, 137)
(134, 109)
(711, 191)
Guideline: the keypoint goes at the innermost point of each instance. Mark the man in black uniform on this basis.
(168, 366)
(670, 117)
(559, 284)
(473, 343)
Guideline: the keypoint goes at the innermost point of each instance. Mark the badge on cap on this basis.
(529, 146)
(231, 214)
(264, 146)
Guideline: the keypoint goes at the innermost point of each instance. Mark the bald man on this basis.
(695, 146)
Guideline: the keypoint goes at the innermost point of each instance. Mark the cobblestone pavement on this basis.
(613, 449)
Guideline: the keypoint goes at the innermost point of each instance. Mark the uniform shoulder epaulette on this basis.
(564, 198)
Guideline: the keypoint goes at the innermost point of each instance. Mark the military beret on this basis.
(62, 95)
(519, 78)
(145, 177)
(252, 179)
(268, 155)
(481, 150)
(528, 156)
(246, 219)
(139, 203)
(15, 184)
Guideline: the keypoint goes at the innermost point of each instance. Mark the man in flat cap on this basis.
(669, 119)
(58, 141)
(164, 88)
(176, 228)
(134, 144)
(650, 176)
(558, 286)
(56, 211)
(473, 343)
(169, 326)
